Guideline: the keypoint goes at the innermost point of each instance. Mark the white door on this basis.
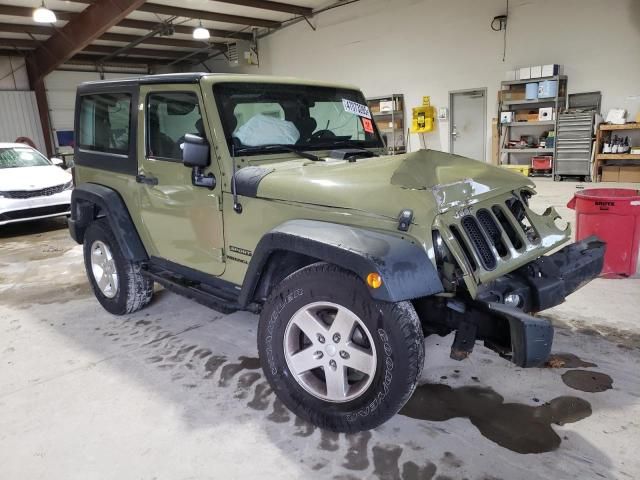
(467, 130)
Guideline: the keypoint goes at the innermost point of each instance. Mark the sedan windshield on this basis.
(15, 157)
(257, 117)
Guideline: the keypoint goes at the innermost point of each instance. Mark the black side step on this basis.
(194, 290)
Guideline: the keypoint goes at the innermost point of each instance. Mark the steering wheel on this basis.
(322, 134)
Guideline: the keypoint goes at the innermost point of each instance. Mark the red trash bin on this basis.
(613, 214)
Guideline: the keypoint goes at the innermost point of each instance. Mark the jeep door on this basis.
(182, 222)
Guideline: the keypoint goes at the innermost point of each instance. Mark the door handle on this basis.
(146, 180)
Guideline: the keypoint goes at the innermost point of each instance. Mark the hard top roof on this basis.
(195, 77)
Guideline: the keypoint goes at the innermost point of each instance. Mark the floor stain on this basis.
(280, 413)
(329, 441)
(356, 457)
(260, 400)
(385, 461)
(567, 360)
(304, 428)
(587, 381)
(212, 365)
(450, 460)
(231, 369)
(412, 471)
(245, 382)
(518, 427)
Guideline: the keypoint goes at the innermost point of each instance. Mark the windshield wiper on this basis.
(279, 146)
(345, 143)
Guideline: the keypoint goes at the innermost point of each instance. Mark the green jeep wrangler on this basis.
(274, 195)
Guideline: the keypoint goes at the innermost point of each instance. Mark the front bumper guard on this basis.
(541, 284)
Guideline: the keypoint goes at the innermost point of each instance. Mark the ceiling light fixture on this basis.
(201, 33)
(43, 15)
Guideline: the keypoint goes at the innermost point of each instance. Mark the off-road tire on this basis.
(134, 289)
(394, 327)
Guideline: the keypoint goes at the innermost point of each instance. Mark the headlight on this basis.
(68, 185)
(440, 248)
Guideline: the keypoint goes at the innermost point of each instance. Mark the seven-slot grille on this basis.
(484, 237)
(43, 192)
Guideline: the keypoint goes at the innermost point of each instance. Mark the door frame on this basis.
(484, 118)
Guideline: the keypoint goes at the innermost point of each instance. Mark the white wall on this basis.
(430, 47)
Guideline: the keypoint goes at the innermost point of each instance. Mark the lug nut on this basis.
(318, 355)
(344, 354)
(320, 338)
(336, 337)
(333, 364)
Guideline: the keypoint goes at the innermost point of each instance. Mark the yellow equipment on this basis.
(423, 118)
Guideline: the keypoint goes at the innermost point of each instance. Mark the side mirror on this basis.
(195, 152)
(58, 162)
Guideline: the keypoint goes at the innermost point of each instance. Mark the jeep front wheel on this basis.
(117, 282)
(333, 355)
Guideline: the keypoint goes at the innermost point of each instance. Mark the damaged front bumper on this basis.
(547, 281)
(539, 285)
(501, 313)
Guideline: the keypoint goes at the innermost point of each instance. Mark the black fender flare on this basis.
(406, 270)
(87, 200)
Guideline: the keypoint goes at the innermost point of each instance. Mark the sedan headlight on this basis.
(68, 185)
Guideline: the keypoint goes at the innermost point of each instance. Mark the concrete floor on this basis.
(174, 391)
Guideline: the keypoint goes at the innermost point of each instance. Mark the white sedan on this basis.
(31, 185)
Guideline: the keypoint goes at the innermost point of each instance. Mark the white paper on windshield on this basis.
(356, 108)
(265, 130)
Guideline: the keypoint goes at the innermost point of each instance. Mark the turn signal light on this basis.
(374, 280)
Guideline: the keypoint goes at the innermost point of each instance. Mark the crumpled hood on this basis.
(32, 178)
(426, 181)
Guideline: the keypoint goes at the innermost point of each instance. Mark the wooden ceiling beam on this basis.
(77, 34)
(170, 10)
(13, 11)
(273, 6)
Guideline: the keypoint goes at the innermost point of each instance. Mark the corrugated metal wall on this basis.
(19, 118)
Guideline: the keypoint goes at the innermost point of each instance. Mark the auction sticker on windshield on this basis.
(356, 108)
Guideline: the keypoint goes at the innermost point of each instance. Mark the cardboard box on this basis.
(514, 94)
(525, 73)
(610, 174)
(527, 116)
(536, 71)
(629, 174)
(506, 117)
(550, 70)
(545, 113)
(510, 75)
(386, 106)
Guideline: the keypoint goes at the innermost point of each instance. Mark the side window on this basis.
(104, 123)
(170, 116)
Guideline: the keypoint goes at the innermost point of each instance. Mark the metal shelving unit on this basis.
(391, 124)
(504, 132)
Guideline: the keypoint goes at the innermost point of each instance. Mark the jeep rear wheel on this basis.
(333, 355)
(117, 283)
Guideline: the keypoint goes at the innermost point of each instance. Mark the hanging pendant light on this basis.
(43, 15)
(201, 33)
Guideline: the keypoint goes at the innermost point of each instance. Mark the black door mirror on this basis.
(195, 152)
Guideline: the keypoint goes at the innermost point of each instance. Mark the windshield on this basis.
(21, 157)
(257, 117)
